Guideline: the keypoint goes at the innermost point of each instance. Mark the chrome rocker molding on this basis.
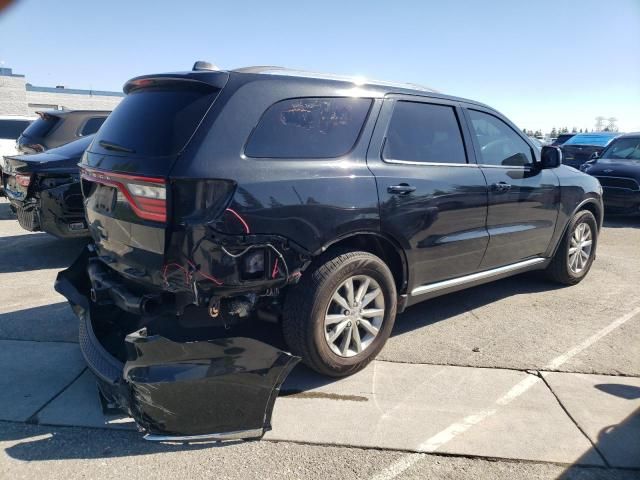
(217, 437)
(474, 277)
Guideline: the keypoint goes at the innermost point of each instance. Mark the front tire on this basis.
(574, 257)
(340, 314)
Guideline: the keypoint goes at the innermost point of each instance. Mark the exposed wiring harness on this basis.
(187, 274)
(245, 225)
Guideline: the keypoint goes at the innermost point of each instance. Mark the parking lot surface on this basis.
(515, 379)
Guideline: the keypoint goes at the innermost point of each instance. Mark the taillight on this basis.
(23, 180)
(146, 195)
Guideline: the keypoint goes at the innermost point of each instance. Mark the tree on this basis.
(580, 131)
(574, 130)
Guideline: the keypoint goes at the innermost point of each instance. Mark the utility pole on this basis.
(612, 127)
(599, 123)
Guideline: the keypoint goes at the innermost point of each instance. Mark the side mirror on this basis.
(594, 156)
(551, 157)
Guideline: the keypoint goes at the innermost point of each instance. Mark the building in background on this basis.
(17, 97)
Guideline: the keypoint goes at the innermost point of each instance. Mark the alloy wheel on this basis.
(580, 247)
(354, 316)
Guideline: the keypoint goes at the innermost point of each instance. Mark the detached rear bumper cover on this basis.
(220, 389)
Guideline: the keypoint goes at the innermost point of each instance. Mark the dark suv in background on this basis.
(617, 169)
(57, 127)
(217, 198)
(584, 146)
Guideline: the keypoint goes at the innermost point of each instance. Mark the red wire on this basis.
(166, 267)
(237, 215)
(209, 277)
(275, 269)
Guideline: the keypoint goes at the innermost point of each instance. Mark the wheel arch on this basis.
(377, 244)
(590, 204)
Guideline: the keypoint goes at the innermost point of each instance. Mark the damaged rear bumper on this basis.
(57, 211)
(218, 389)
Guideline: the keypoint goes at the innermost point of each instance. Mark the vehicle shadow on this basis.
(619, 444)
(422, 315)
(42, 443)
(36, 251)
(446, 306)
(54, 322)
(621, 221)
(5, 211)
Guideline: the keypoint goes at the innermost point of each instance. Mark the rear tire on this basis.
(340, 314)
(576, 251)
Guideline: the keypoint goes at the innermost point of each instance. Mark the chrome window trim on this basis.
(433, 164)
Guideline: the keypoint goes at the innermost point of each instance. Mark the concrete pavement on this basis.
(516, 379)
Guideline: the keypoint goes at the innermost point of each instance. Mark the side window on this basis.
(309, 128)
(92, 126)
(499, 143)
(423, 132)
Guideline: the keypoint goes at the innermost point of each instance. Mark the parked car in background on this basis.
(57, 127)
(580, 147)
(561, 139)
(215, 198)
(11, 127)
(44, 189)
(618, 170)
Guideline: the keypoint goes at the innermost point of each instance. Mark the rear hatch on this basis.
(32, 139)
(125, 171)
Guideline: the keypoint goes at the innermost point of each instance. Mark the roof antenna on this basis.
(202, 65)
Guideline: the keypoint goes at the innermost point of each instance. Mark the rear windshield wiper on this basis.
(114, 146)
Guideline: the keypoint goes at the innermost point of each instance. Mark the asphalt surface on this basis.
(515, 379)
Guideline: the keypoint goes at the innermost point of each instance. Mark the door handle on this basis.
(402, 189)
(501, 187)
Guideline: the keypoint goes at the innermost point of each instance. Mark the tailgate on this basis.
(125, 171)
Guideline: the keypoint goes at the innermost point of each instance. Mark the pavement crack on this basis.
(593, 445)
(33, 419)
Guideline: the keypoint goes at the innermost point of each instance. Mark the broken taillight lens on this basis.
(146, 195)
(23, 180)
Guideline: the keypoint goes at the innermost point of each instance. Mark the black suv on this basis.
(328, 206)
(54, 128)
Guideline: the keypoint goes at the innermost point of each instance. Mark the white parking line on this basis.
(444, 436)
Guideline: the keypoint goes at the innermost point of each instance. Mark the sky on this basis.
(543, 64)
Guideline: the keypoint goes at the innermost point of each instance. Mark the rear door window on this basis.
(156, 121)
(424, 132)
(499, 144)
(92, 125)
(12, 129)
(309, 128)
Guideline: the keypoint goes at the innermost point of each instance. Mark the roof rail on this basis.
(275, 70)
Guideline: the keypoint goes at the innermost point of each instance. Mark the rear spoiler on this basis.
(211, 79)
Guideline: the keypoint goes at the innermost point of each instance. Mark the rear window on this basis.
(155, 122)
(42, 126)
(12, 129)
(92, 125)
(309, 128)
